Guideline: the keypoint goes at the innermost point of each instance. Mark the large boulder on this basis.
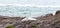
(57, 14)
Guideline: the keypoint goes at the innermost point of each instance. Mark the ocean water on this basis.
(26, 11)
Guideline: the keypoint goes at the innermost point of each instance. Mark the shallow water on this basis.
(26, 11)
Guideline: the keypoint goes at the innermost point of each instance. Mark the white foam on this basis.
(28, 18)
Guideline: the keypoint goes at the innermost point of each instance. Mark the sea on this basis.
(26, 11)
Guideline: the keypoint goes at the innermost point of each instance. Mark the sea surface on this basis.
(26, 11)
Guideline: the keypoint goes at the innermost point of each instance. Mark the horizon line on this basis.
(31, 5)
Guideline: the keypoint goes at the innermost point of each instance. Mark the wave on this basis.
(13, 10)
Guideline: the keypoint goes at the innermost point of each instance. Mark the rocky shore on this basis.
(47, 21)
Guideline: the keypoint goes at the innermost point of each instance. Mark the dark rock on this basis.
(49, 14)
(57, 12)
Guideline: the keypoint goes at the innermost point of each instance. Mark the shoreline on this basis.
(45, 21)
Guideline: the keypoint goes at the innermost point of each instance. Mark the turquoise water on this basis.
(26, 11)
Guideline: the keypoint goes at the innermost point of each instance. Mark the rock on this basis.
(24, 24)
(55, 24)
(57, 14)
(1, 26)
(19, 25)
(6, 20)
(47, 16)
